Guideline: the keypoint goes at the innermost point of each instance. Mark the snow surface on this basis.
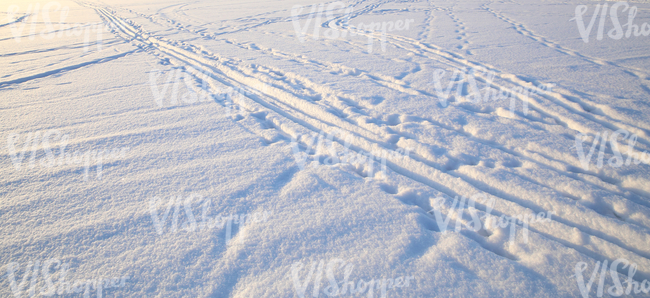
(148, 81)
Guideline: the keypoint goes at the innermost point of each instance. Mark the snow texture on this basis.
(456, 148)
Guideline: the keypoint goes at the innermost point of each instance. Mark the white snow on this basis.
(461, 148)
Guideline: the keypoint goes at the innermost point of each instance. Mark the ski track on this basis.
(18, 20)
(523, 30)
(637, 73)
(65, 69)
(285, 110)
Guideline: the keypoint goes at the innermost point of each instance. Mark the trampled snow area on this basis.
(442, 148)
